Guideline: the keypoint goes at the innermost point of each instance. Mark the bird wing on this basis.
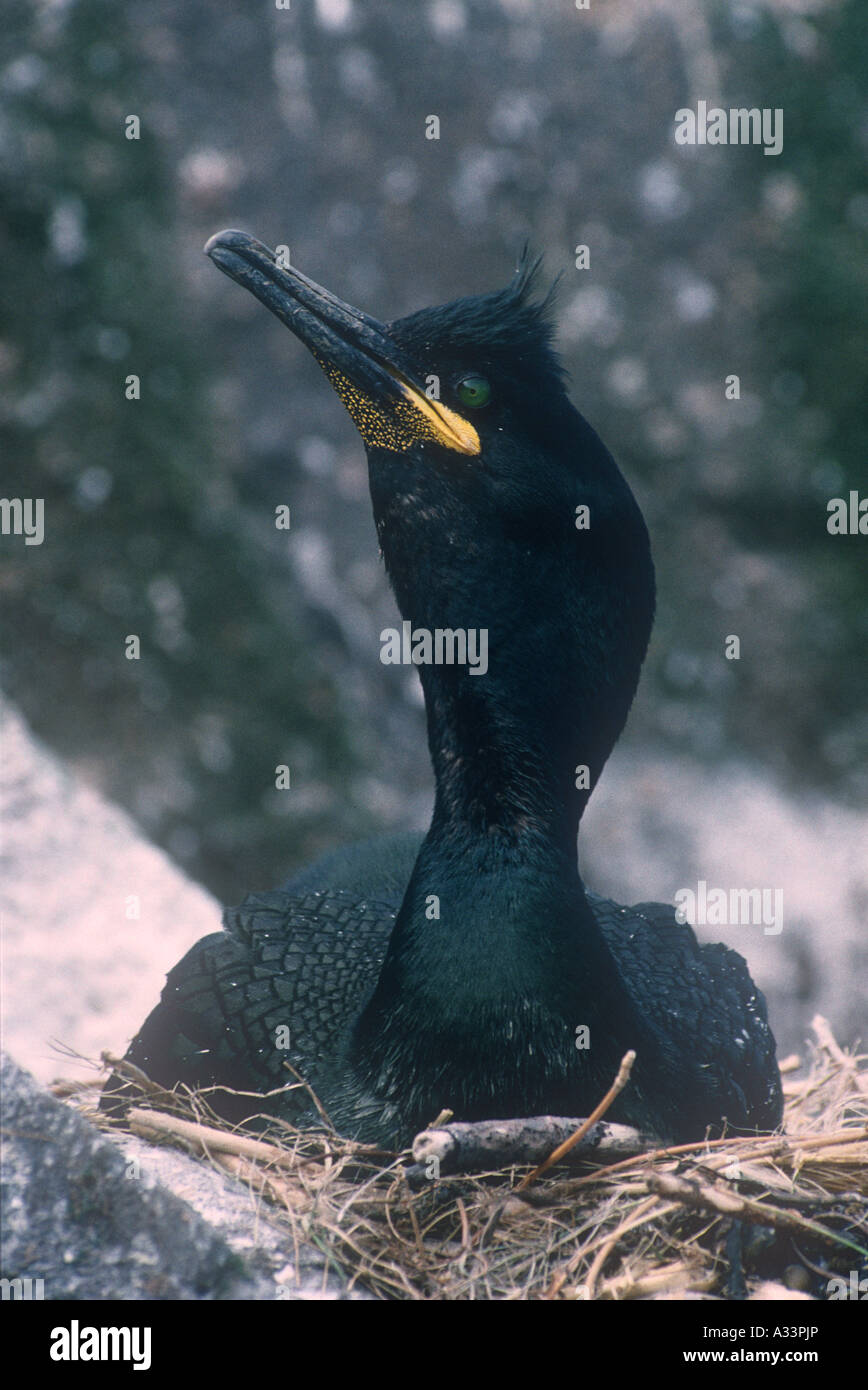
(282, 983)
(703, 1008)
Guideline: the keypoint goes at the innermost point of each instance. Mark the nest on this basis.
(775, 1216)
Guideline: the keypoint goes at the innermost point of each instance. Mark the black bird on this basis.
(458, 972)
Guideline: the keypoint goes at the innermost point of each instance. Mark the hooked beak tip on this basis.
(234, 242)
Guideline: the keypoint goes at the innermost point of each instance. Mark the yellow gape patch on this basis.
(407, 421)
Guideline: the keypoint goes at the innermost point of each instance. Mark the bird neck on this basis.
(489, 938)
(495, 906)
(494, 920)
(502, 774)
(495, 955)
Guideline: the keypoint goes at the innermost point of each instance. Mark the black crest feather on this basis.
(514, 322)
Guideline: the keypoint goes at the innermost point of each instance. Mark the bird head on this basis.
(477, 465)
(462, 409)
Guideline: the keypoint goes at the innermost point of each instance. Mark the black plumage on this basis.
(457, 971)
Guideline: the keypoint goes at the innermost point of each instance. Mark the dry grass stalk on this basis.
(654, 1226)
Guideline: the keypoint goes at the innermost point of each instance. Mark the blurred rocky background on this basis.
(306, 126)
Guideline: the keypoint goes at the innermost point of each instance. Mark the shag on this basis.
(472, 970)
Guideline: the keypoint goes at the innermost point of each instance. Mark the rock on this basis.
(98, 1219)
(93, 915)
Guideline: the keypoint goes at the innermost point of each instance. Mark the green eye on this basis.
(474, 391)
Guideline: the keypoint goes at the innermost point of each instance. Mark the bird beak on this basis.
(370, 372)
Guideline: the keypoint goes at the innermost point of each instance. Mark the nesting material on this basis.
(731, 1218)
